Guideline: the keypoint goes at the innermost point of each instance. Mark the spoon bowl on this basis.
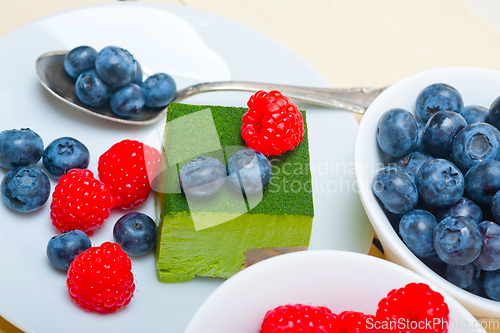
(53, 77)
(51, 74)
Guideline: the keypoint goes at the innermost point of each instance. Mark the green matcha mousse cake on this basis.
(220, 235)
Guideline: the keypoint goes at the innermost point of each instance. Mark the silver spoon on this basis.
(51, 74)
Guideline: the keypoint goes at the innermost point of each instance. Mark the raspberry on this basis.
(413, 308)
(299, 318)
(272, 124)
(100, 279)
(128, 168)
(80, 201)
(355, 322)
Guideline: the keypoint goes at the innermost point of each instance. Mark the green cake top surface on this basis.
(206, 130)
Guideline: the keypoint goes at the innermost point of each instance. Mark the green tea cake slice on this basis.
(217, 237)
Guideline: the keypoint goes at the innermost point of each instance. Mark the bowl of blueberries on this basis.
(427, 165)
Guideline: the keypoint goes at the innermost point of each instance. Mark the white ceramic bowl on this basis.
(477, 86)
(336, 279)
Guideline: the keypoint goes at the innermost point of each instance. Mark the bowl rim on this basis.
(301, 257)
(377, 217)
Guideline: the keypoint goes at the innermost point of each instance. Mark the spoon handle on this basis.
(356, 100)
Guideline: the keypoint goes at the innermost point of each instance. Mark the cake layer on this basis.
(218, 236)
(221, 251)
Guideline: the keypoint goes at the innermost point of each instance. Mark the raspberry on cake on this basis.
(231, 230)
(272, 124)
(128, 168)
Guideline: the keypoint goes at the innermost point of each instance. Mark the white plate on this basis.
(192, 46)
(341, 281)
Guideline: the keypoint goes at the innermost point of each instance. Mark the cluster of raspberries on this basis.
(415, 308)
(100, 279)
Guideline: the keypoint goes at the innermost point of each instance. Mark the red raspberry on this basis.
(299, 318)
(80, 201)
(128, 168)
(413, 308)
(355, 322)
(100, 279)
(272, 124)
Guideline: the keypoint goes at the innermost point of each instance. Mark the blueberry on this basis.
(159, 90)
(475, 144)
(202, 176)
(412, 162)
(440, 132)
(116, 66)
(420, 145)
(91, 90)
(64, 154)
(431, 209)
(492, 285)
(462, 276)
(421, 204)
(395, 189)
(489, 258)
(475, 114)
(249, 170)
(394, 219)
(127, 101)
(495, 207)
(494, 113)
(457, 240)
(19, 148)
(438, 97)
(25, 189)
(436, 265)
(440, 183)
(477, 287)
(136, 233)
(464, 207)
(62, 249)
(482, 182)
(138, 75)
(397, 132)
(416, 228)
(79, 59)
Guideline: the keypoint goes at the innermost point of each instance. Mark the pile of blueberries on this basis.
(26, 188)
(114, 75)
(441, 194)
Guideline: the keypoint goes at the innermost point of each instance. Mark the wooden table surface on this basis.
(350, 42)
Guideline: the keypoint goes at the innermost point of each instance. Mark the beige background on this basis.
(350, 42)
